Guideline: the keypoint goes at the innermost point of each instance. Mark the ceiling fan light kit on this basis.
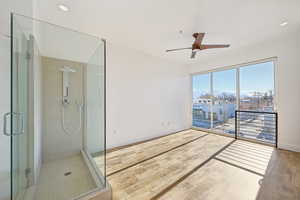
(198, 46)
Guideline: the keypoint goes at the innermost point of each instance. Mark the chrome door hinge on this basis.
(27, 172)
(28, 55)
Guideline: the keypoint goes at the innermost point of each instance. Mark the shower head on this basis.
(66, 84)
(67, 69)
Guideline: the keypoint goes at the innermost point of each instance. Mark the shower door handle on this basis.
(15, 116)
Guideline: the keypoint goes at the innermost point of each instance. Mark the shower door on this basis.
(18, 116)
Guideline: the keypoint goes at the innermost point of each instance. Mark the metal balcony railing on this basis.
(257, 125)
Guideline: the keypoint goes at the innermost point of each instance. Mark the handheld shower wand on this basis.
(66, 83)
(66, 100)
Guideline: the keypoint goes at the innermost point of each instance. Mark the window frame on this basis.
(237, 67)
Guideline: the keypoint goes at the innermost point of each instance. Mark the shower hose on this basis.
(65, 129)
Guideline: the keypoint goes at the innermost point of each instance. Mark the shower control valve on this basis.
(65, 101)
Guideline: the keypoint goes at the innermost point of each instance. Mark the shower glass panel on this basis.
(58, 112)
(4, 108)
(20, 113)
(95, 105)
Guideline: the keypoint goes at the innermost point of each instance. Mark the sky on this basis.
(258, 78)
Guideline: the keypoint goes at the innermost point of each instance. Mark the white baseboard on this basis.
(289, 147)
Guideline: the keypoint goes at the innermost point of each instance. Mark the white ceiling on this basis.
(153, 26)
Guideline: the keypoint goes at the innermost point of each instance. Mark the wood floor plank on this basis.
(127, 157)
(282, 177)
(236, 176)
(214, 181)
(253, 157)
(145, 180)
(242, 171)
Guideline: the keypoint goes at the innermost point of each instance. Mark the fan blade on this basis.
(213, 46)
(178, 49)
(193, 55)
(198, 38)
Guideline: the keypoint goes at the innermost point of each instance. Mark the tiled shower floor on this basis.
(64, 179)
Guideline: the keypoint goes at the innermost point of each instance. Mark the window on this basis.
(216, 95)
(257, 87)
(201, 108)
(224, 100)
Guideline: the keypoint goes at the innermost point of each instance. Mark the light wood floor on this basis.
(124, 158)
(234, 174)
(210, 167)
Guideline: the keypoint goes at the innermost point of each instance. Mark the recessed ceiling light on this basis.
(63, 7)
(284, 23)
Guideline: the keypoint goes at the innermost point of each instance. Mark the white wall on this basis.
(287, 49)
(146, 96)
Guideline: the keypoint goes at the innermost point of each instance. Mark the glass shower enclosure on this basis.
(57, 118)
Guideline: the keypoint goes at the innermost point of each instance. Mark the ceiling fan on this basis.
(198, 46)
